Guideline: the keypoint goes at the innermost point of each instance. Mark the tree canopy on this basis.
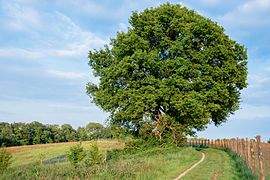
(171, 65)
(16, 134)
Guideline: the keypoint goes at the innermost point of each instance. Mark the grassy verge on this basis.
(244, 172)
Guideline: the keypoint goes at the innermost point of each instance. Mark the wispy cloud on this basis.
(20, 17)
(251, 14)
(20, 53)
(256, 81)
(67, 75)
(252, 6)
(211, 2)
(252, 112)
(78, 40)
(66, 39)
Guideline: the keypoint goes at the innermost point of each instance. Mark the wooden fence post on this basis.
(243, 149)
(252, 156)
(248, 152)
(232, 141)
(237, 145)
(240, 148)
(260, 157)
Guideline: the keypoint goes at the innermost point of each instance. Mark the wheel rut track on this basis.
(192, 167)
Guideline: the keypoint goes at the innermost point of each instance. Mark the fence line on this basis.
(254, 152)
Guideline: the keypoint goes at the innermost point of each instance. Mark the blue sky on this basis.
(44, 46)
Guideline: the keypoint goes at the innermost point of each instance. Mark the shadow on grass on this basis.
(198, 147)
(58, 159)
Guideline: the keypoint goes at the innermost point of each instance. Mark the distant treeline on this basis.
(16, 134)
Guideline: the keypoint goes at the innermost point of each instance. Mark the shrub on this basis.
(94, 157)
(5, 158)
(76, 155)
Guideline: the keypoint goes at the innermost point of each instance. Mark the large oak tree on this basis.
(172, 63)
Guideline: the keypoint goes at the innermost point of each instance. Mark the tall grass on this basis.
(244, 172)
(136, 163)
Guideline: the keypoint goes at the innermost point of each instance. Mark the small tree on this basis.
(76, 155)
(94, 157)
(268, 141)
(5, 158)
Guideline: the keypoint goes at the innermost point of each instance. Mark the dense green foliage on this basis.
(173, 71)
(16, 134)
(5, 158)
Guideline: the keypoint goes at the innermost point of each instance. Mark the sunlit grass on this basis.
(31, 154)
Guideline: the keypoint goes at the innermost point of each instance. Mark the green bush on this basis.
(93, 156)
(76, 155)
(5, 158)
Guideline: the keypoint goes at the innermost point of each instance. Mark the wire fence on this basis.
(254, 152)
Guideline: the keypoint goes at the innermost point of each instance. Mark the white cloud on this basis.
(256, 81)
(211, 2)
(84, 6)
(78, 41)
(20, 17)
(267, 69)
(251, 14)
(252, 112)
(20, 53)
(66, 39)
(112, 10)
(51, 112)
(67, 75)
(255, 6)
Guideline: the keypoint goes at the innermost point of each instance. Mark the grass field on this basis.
(148, 163)
(23, 155)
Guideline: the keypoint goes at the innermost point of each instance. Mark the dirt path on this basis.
(186, 171)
